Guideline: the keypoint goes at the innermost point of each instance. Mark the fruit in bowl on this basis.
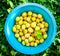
(46, 28)
(30, 28)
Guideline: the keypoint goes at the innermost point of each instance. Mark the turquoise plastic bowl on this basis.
(10, 20)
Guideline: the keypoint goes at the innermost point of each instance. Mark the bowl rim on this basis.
(45, 9)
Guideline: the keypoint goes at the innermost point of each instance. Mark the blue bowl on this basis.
(48, 17)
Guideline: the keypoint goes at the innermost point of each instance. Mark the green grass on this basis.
(7, 6)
